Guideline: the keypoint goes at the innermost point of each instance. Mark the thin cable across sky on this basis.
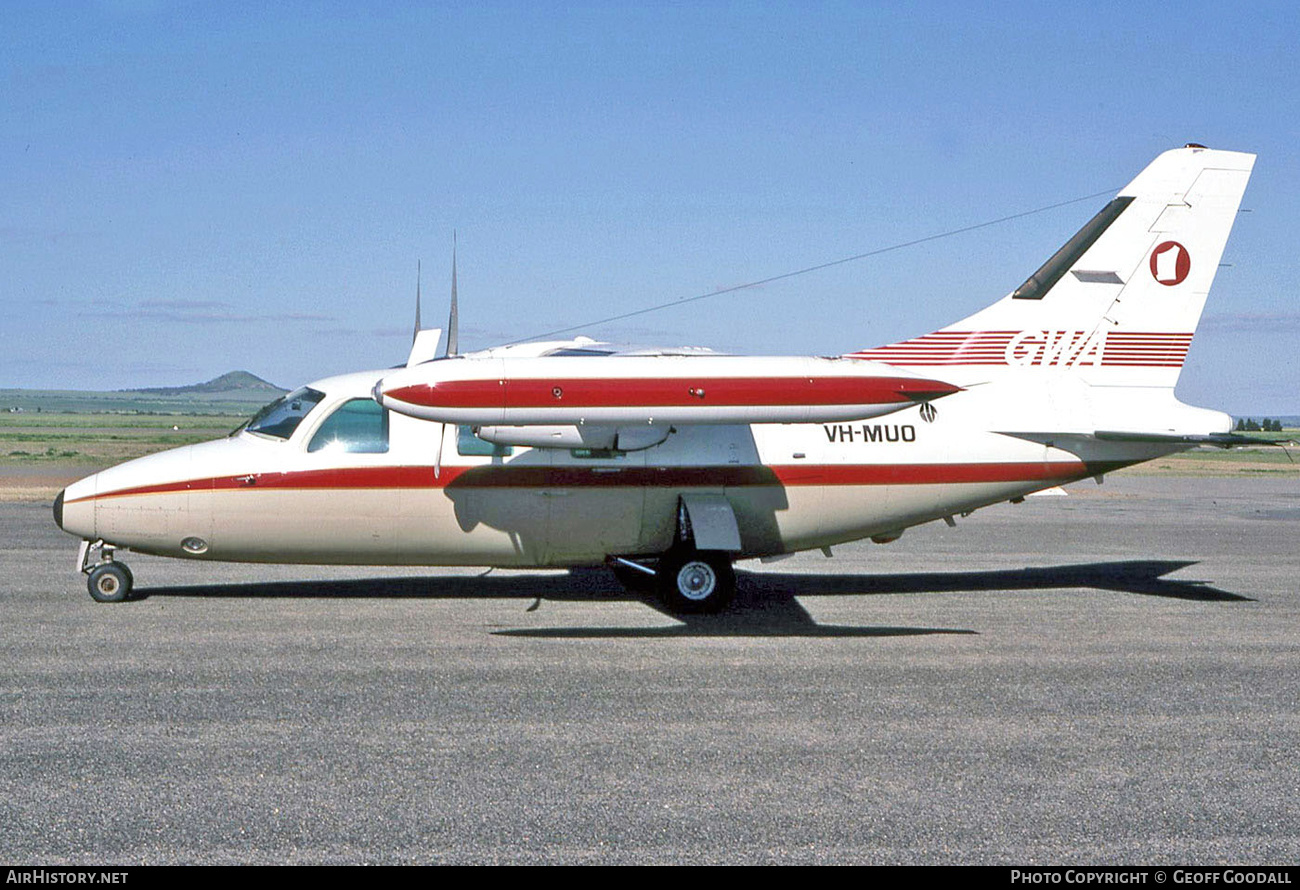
(682, 301)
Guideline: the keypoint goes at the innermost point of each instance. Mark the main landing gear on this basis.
(108, 581)
(694, 575)
(696, 581)
(688, 581)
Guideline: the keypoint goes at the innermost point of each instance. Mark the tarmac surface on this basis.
(1112, 677)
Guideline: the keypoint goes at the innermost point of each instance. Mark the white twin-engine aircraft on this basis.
(675, 462)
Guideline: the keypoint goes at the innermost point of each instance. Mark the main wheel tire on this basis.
(110, 583)
(696, 581)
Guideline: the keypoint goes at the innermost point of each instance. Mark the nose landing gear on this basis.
(107, 581)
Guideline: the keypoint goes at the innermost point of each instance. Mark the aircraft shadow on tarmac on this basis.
(765, 603)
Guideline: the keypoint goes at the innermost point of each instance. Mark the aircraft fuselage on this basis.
(254, 498)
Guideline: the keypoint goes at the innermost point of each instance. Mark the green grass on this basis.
(109, 427)
(1208, 461)
(49, 420)
(1257, 434)
(104, 438)
(47, 401)
(1236, 455)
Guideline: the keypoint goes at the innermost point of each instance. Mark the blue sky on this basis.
(191, 188)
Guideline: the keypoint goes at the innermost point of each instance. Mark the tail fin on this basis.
(1118, 303)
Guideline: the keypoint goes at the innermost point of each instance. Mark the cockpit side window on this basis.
(358, 426)
(281, 417)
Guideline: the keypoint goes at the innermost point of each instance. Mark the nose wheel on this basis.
(110, 582)
(107, 580)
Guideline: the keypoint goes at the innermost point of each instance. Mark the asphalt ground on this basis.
(1111, 677)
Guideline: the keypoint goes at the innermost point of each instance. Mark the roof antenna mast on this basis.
(453, 320)
(417, 302)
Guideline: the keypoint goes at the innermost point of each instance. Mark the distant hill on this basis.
(236, 394)
(235, 382)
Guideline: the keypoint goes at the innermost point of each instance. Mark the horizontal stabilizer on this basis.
(1218, 440)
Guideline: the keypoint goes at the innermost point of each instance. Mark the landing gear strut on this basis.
(107, 581)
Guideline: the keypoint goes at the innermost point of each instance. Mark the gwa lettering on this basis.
(1061, 348)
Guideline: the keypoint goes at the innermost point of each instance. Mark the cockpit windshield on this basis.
(281, 417)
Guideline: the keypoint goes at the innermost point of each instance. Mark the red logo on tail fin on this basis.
(1170, 263)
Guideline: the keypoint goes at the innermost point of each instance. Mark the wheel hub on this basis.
(696, 580)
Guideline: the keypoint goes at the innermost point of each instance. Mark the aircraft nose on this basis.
(74, 508)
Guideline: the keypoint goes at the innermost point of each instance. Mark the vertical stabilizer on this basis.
(1119, 302)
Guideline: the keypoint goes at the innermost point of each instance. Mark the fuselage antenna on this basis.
(417, 302)
(452, 321)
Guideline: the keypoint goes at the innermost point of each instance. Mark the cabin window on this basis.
(470, 445)
(281, 417)
(359, 426)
